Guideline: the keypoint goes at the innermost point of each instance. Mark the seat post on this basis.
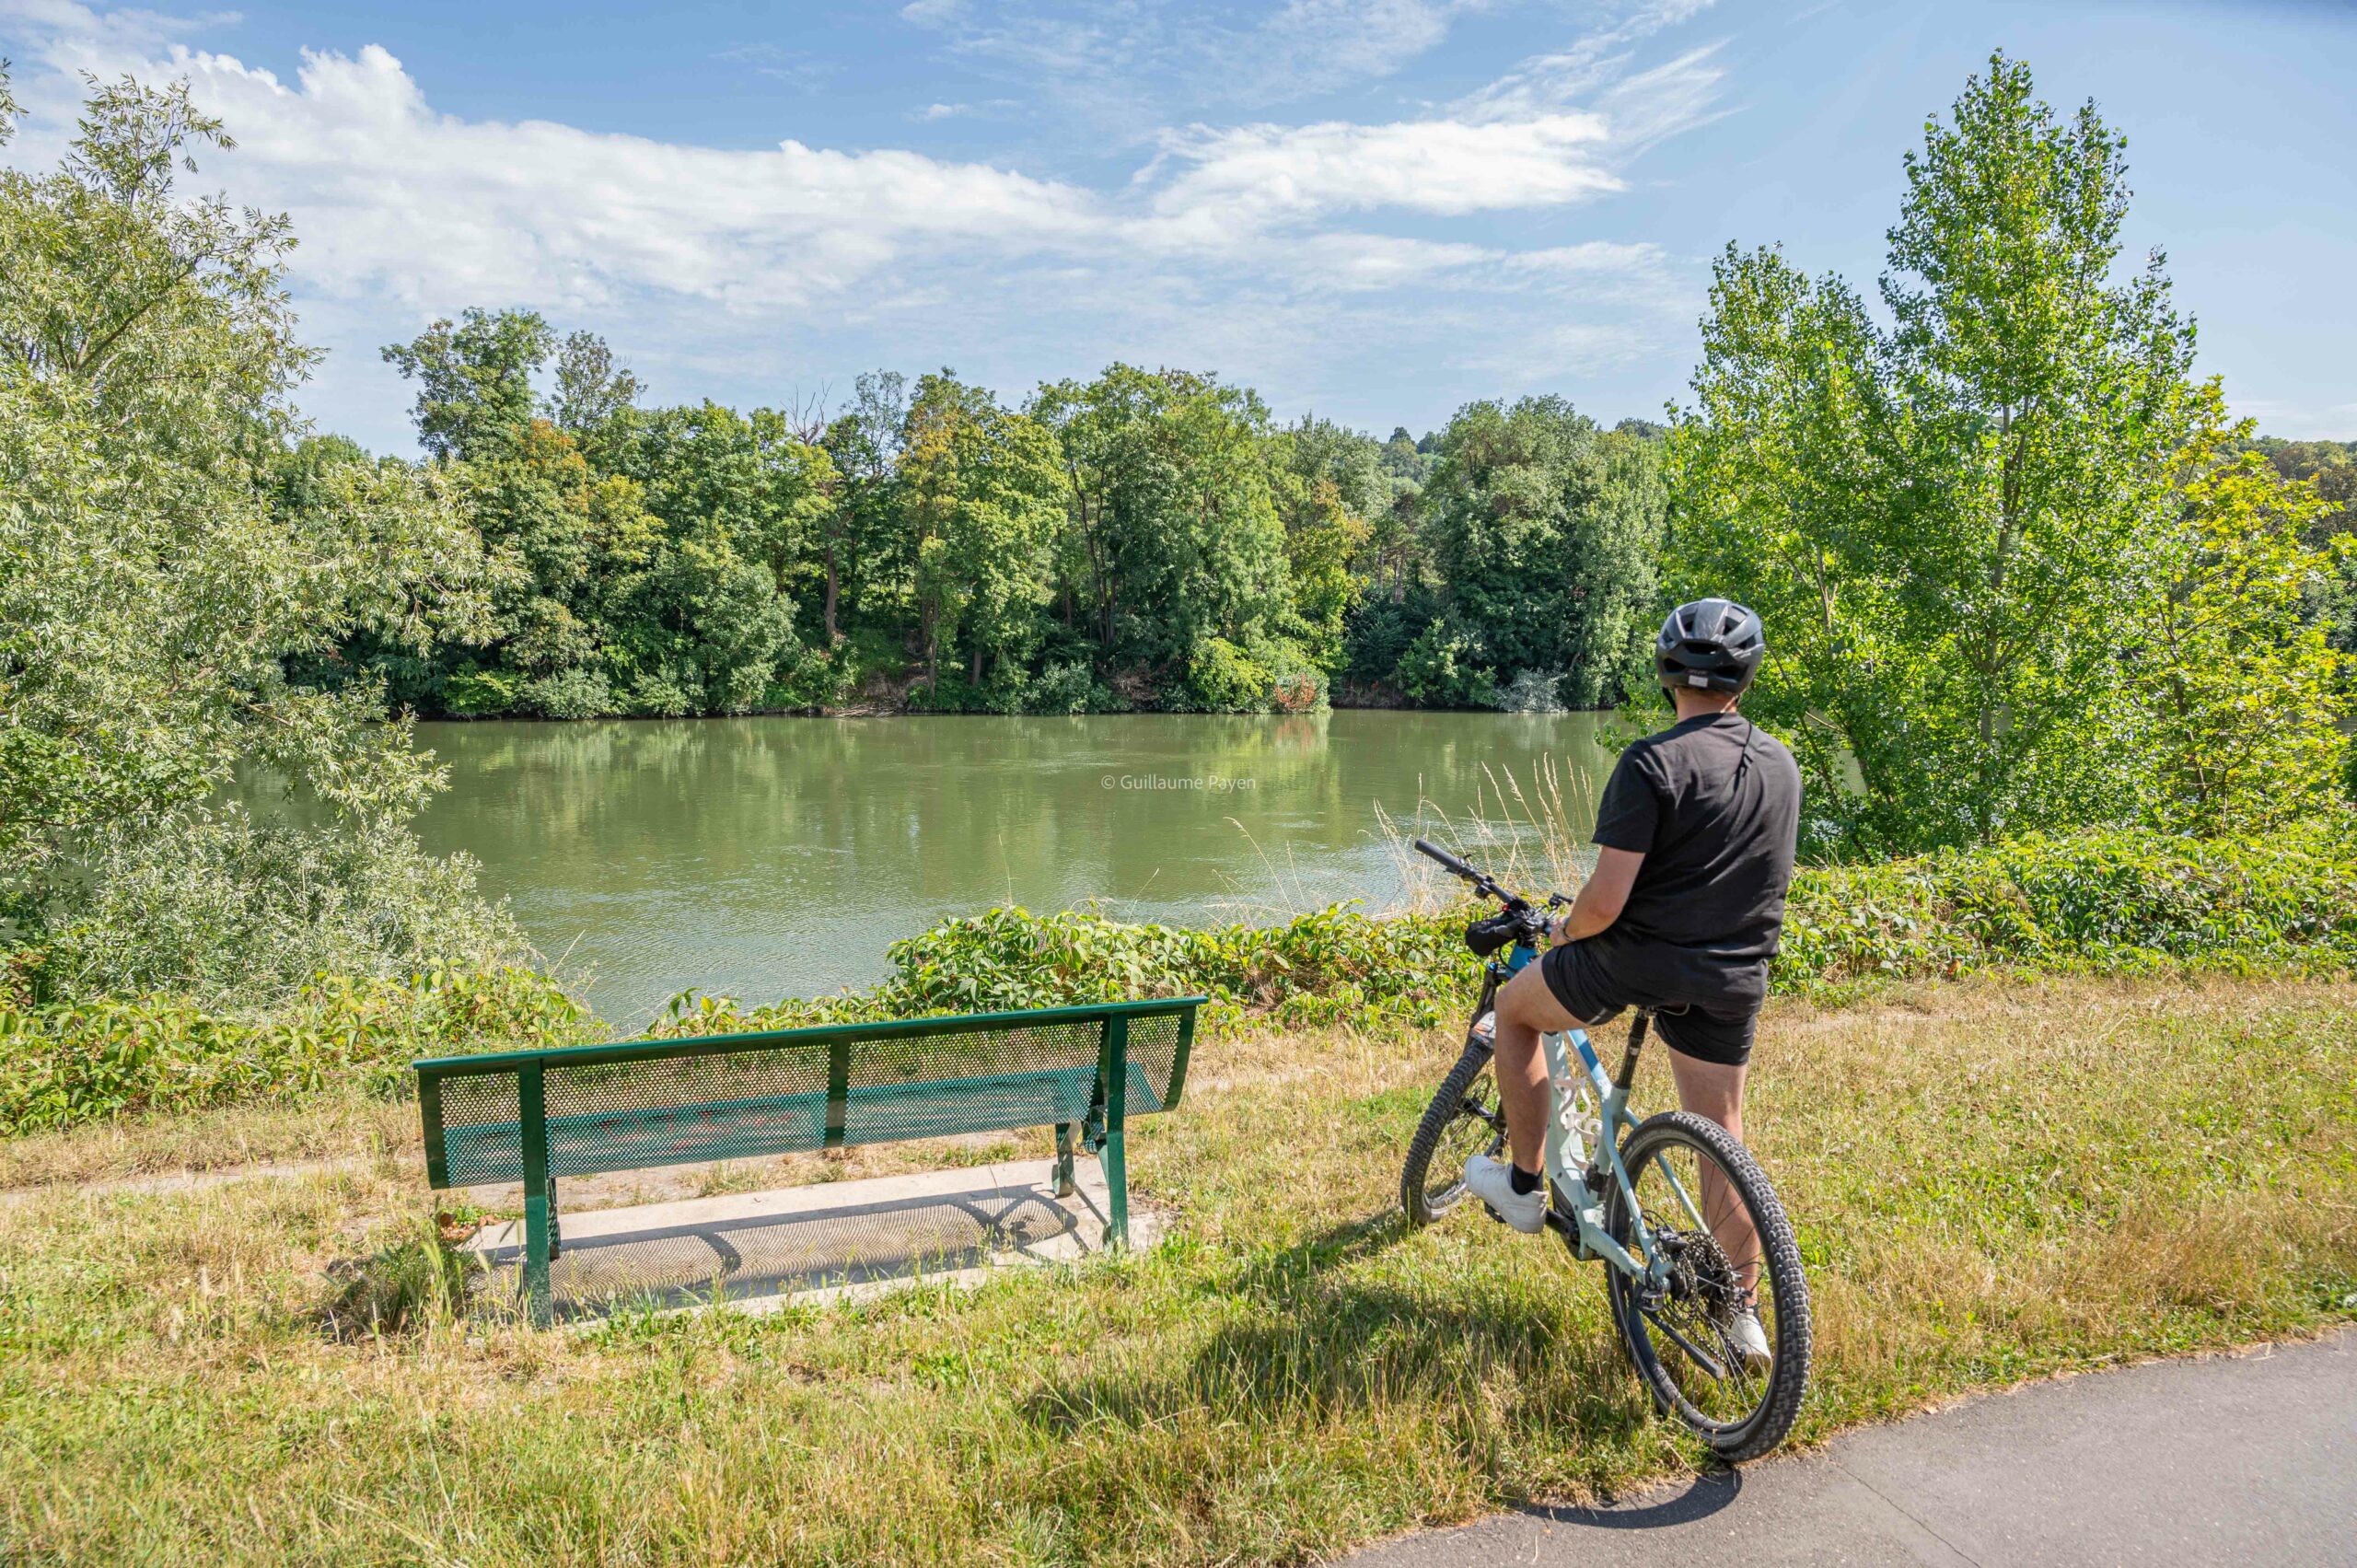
(1637, 1025)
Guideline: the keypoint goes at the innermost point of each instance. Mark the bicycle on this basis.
(1674, 1279)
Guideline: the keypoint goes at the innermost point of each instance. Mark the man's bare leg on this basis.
(1526, 1009)
(1715, 1090)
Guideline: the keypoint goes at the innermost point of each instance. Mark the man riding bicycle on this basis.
(1695, 834)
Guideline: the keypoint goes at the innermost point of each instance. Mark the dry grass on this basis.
(1992, 1182)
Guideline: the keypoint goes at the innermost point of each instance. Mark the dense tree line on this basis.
(1142, 539)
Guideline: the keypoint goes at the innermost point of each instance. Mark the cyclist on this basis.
(1695, 836)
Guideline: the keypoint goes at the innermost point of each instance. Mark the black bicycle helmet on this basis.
(1714, 643)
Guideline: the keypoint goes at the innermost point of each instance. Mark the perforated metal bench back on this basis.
(731, 1097)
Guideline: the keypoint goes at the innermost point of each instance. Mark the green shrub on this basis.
(815, 678)
(2122, 901)
(68, 1063)
(228, 908)
(1439, 671)
(656, 694)
(569, 694)
(2099, 901)
(1225, 679)
(1067, 688)
(482, 693)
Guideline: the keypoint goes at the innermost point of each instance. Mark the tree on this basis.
(1326, 482)
(590, 389)
(2250, 695)
(1948, 524)
(982, 496)
(747, 476)
(1613, 540)
(1544, 531)
(2331, 466)
(474, 378)
(1174, 538)
(166, 553)
(863, 446)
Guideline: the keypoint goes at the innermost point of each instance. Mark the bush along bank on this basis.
(2089, 902)
(2115, 901)
(68, 1063)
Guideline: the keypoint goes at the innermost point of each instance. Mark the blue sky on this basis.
(1375, 209)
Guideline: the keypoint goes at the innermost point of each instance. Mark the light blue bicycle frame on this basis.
(1577, 1138)
(1571, 1131)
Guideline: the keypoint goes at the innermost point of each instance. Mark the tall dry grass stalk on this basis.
(1529, 835)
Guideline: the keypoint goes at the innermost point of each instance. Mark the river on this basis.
(762, 857)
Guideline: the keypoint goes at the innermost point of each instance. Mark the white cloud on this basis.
(1255, 175)
(391, 197)
(1250, 236)
(1597, 60)
(1311, 46)
(394, 198)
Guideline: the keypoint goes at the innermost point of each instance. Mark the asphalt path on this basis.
(2249, 1460)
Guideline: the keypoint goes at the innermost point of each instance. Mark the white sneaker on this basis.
(1492, 1183)
(1749, 1338)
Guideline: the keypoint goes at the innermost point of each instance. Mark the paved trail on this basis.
(2249, 1459)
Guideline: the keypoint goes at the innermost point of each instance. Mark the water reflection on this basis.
(769, 856)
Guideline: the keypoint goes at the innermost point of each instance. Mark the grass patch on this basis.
(1992, 1182)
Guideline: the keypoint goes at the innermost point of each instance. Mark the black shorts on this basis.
(1708, 1010)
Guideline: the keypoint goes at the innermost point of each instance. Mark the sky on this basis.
(1372, 209)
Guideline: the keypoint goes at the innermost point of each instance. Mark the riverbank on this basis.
(2124, 903)
(1994, 1180)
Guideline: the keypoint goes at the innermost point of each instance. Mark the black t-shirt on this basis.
(1713, 805)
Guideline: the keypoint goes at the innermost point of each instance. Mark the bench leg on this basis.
(1063, 1160)
(1116, 1191)
(539, 1191)
(540, 1246)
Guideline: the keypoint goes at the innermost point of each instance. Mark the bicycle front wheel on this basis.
(1709, 1209)
(1464, 1120)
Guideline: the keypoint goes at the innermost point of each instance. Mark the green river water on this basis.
(762, 857)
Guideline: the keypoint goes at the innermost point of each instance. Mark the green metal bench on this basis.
(534, 1116)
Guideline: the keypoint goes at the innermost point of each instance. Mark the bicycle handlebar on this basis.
(1480, 878)
(1448, 862)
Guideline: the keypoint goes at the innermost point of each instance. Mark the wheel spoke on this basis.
(1476, 1128)
(1703, 1225)
(1465, 1119)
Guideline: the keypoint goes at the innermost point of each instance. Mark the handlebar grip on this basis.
(1448, 862)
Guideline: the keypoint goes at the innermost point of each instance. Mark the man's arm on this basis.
(1602, 896)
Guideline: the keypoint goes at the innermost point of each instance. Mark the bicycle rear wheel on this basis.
(1464, 1120)
(1709, 1207)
